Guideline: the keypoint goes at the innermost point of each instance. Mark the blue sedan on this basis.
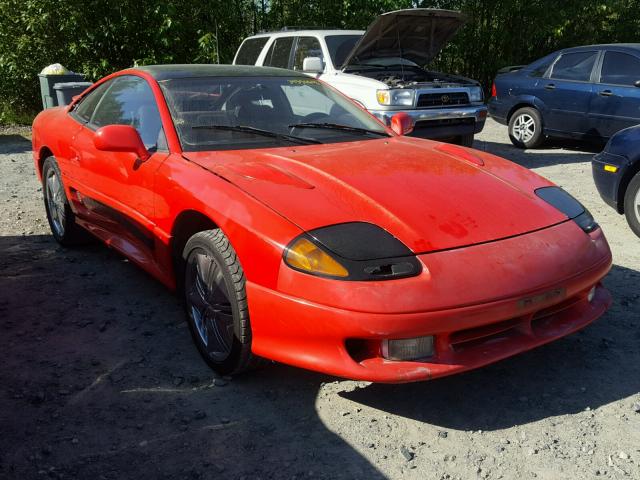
(616, 171)
(588, 92)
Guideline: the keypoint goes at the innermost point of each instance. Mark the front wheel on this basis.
(62, 220)
(632, 204)
(525, 128)
(216, 302)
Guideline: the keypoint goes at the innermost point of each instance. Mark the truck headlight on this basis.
(475, 94)
(396, 97)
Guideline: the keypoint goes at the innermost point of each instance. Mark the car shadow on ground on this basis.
(100, 380)
(587, 370)
(551, 153)
(11, 143)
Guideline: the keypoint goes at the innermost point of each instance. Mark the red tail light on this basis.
(494, 92)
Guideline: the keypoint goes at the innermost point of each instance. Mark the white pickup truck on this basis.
(384, 69)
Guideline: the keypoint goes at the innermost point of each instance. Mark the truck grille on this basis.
(442, 99)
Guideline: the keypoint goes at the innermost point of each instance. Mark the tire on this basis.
(62, 220)
(525, 128)
(464, 140)
(216, 303)
(632, 204)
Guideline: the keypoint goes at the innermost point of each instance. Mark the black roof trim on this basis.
(166, 72)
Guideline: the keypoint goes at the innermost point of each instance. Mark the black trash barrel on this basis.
(47, 82)
(67, 90)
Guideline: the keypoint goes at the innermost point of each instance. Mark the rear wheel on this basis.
(525, 128)
(216, 302)
(62, 220)
(632, 204)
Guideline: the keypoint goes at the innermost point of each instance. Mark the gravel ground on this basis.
(100, 380)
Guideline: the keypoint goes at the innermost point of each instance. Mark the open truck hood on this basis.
(416, 34)
(428, 198)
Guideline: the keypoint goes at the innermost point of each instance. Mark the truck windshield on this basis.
(225, 113)
(340, 46)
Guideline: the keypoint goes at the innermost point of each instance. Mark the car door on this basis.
(115, 189)
(566, 92)
(616, 103)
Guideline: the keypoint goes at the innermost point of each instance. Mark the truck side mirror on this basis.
(312, 65)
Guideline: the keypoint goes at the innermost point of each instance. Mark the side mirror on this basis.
(312, 65)
(637, 84)
(120, 138)
(401, 123)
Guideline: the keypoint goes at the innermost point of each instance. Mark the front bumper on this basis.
(532, 294)
(441, 122)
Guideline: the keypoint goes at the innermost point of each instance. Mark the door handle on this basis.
(606, 93)
(550, 86)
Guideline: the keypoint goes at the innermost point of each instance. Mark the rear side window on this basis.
(130, 102)
(85, 108)
(279, 53)
(307, 47)
(574, 66)
(250, 51)
(540, 67)
(620, 69)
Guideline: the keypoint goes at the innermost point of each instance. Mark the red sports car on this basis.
(300, 229)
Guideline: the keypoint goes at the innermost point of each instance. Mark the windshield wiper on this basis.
(337, 126)
(258, 131)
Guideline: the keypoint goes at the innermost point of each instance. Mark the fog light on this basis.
(408, 348)
(591, 294)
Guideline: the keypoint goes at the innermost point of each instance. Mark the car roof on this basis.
(167, 72)
(302, 33)
(605, 46)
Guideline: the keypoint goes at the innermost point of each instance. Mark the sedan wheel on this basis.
(525, 128)
(216, 302)
(632, 204)
(56, 201)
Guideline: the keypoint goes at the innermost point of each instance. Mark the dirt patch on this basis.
(100, 379)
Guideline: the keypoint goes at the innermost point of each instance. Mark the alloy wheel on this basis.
(208, 304)
(524, 128)
(55, 201)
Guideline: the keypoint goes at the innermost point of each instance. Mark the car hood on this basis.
(429, 195)
(416, 34)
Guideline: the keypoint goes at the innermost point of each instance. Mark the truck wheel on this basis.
(525, 128)
(632, 204)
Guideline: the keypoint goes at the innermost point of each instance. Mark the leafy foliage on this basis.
(97, 37)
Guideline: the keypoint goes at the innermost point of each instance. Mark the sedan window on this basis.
(130, 102)
(574, 66)
(620, 69)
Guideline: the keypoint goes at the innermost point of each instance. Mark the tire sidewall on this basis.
(228, 365)
(630, 211)
(51, 164)
(537, 138)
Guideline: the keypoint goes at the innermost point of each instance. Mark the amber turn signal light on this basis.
(305, 255)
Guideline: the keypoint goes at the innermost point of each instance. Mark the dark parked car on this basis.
(616, 171)
(588, 92)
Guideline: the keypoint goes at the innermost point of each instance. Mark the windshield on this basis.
(340, 46)
(225, 113)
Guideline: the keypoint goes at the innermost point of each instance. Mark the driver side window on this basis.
(130, 101)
